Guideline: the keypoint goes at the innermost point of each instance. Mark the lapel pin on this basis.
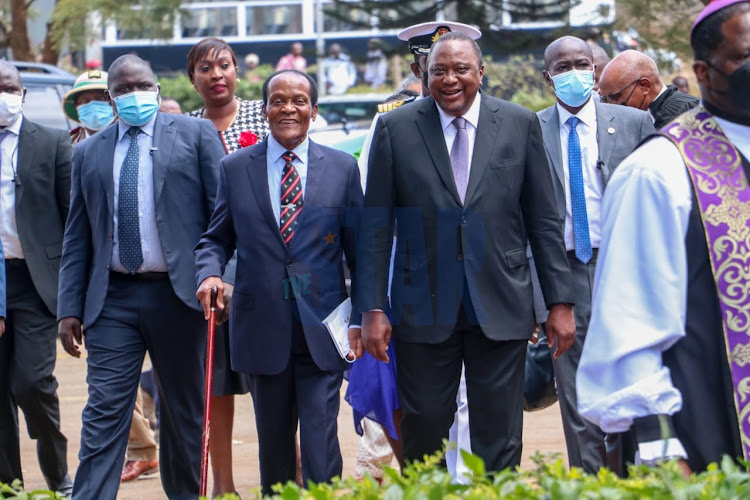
(611, 130)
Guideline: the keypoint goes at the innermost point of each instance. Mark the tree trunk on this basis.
(50, 55)
(19, 36)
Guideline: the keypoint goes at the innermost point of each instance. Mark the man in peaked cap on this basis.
(669, 343)
(420, 38)
(87, 104)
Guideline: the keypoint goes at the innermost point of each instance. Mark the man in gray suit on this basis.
(142, 194)
(585, 141)
(34, 197)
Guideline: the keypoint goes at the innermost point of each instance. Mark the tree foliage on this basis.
(150, 19)
(488, 15)
(75, 23)
(661, 24)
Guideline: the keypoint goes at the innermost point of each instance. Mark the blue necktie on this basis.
(128, 229)
(577, 195)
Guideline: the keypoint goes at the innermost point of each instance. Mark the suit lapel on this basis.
(105, 149)
(313, 186)
(606, 136)
(484, 142)
(26, 149)
(257, 170)
(550, 122)
(428, 124)
(164, 136)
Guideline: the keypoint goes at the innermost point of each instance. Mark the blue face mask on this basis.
(574, 87)
(95, 115)
(136, 108)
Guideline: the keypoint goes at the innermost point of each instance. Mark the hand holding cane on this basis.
(208, 391)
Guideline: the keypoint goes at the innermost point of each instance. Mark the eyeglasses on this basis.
(611, 98)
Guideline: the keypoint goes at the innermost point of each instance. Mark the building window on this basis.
(274, 20)
(210, 21)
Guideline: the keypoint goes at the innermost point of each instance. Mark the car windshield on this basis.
(44, 104)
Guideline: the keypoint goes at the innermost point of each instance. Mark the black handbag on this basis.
(539, 391)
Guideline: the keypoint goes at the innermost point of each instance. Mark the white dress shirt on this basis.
(8, 227)
(640, 288)
(593, 185)
(472, 119)
(275, 164)
(153, 254)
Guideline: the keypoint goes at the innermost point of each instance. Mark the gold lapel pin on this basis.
(611, 130)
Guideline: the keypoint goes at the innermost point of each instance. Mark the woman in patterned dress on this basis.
(212, 68)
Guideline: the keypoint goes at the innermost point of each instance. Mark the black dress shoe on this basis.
(65, 487)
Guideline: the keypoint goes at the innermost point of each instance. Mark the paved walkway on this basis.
(542, 431)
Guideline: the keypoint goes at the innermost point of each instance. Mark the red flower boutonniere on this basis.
(247, 138)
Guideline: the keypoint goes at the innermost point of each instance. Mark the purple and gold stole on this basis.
(723, 194)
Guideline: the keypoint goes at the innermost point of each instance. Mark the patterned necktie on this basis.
(128, 229)
(460, 157)
(291, 197)
(577, 195)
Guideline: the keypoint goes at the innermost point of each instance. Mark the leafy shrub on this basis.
(15, 491)
(517, 74)
(550, 480)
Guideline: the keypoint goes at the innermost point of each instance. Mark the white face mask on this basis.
(11, 106)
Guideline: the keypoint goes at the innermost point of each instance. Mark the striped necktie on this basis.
(291, 197)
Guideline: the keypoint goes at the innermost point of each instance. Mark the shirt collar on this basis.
(471, 116)
(147, 128)
(650, 114)
(587, 114)
(275, 149)
(15, 127)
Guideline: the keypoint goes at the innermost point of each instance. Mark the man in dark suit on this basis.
(34, 198)
(585, 141)
(142, 194)
(461, 289)
(289, 207)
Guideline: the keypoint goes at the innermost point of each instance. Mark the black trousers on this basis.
(142, 315)
(301, 393)
(428, 376)
(27, 362)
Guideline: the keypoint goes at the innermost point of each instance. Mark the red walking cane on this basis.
(208, 390)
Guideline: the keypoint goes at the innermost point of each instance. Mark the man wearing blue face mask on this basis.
(585, 141)
(34, 200)
(142, 193)
(87, 104)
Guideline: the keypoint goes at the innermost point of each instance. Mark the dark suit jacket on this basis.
(270, 273)
(42, 201)
(185, 178)
(442, 243)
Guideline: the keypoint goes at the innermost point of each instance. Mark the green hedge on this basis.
(549, 480)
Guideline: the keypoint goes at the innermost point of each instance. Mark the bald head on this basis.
(10, 69)
(127, 62)
(601, 59)
(130, 73)
(631, 71)
(563, 48)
